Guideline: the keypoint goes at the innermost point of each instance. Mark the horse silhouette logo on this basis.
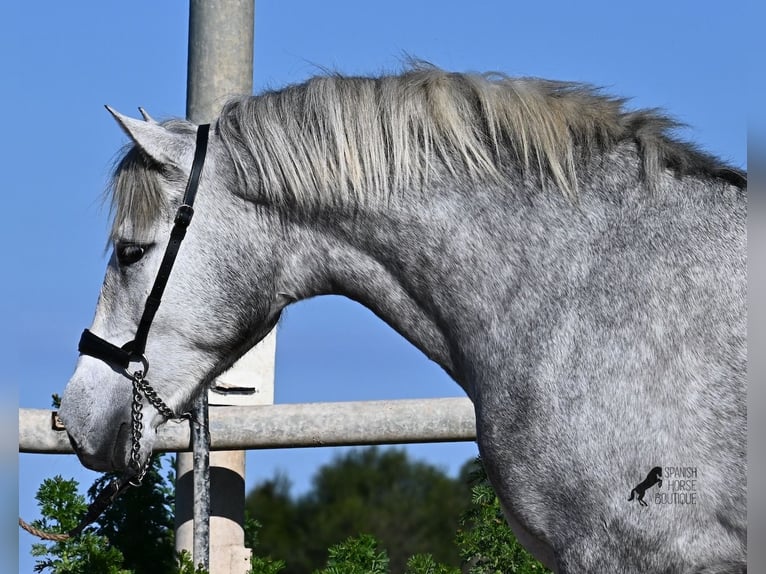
(654, 477)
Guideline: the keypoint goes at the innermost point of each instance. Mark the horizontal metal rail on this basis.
(290, 426)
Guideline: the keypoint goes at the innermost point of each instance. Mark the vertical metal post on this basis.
(220, 65)
(221, 34)
(201, 479)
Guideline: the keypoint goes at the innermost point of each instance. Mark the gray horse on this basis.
(579, 272)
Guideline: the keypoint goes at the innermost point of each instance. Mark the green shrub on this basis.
(61, 507)
(425, 564)
(357, 555)
(485, 542)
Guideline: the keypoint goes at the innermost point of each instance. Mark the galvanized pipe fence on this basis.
(352, 423)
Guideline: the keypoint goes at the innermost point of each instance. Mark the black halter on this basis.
(133, 351)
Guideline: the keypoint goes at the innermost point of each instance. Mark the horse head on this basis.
(219, 300)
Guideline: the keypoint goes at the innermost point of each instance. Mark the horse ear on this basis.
(156, 141)
(146, 116)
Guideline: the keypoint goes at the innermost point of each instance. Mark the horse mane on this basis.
(334, 138)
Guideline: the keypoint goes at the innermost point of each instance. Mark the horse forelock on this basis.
(136, 199)
(336, 138)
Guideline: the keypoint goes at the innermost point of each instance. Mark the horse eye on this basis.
(129, 253)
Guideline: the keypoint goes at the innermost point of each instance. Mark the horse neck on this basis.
(475, 274)
(363, 254)
(438, 265)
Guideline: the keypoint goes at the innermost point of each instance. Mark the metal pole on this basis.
(298, 425)
(221, 34)
(220, 65)
(201, 456)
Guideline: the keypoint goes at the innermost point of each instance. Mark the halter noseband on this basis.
(133, 351)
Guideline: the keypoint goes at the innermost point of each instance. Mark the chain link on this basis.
(142, 389)
(137, 428)
(151, 396)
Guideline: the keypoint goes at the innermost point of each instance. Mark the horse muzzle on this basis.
(97, 418)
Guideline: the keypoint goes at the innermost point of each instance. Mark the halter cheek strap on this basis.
(133, 351)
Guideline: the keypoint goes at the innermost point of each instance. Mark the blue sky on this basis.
(65, 61)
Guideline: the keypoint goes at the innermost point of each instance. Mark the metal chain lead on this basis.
(137, 428)
(143, 389)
